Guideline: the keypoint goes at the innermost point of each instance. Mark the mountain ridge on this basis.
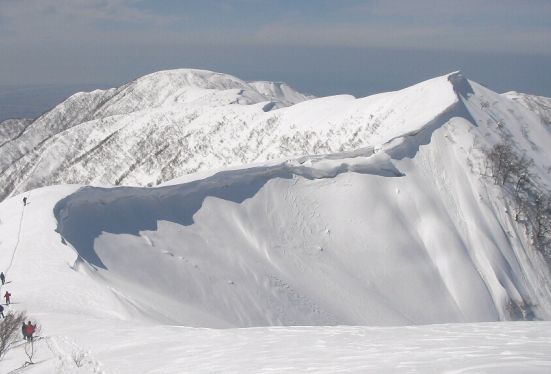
(117, 124)
(269, 234)
(158, 137)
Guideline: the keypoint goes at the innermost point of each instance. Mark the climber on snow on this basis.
(29, 331)
(7, 296)
(25, 201)
(2, 278)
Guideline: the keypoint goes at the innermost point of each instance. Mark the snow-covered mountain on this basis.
(371, 236)
(12, 128)
(154, 128)
(538, 104)
(171, 123)
(378, 211)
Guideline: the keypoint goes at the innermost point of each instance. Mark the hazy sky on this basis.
(318, 46)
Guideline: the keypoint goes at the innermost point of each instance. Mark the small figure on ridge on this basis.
(7, 296)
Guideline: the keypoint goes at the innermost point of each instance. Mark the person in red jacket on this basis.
(29, 331)
(7, 296)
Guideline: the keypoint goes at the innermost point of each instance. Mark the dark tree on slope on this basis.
(532, 206)
(10, 330)
(505, 165)
(523, 188)
(541, 224)
(521, 174)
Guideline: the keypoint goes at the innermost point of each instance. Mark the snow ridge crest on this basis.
(460, 84)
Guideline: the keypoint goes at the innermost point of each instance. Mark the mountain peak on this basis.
(205, 79)
(460, 84)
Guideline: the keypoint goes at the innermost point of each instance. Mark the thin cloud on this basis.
(490, 9)
(128, 11)
(47, 40)
(470, 25)
(484, 38)
(68, 23)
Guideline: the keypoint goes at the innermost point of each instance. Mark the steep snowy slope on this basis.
(407, 231)
(538, 104)
(91, 324)
(12, 128)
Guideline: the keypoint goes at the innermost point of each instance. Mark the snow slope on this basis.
(351, 238)
(285, 94)
(539, 104)
(402, 232)
(12, 128)
(83, 317)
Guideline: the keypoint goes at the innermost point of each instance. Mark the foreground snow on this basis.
(507, 347)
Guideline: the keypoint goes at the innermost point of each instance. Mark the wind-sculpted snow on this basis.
(354, 238)
(398, 223)
(407, 232)
(179, 203)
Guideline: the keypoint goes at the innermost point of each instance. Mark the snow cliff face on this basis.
(407, 231)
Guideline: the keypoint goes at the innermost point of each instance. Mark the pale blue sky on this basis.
(318, 46)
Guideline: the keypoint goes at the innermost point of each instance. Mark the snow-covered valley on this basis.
(319, 235)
